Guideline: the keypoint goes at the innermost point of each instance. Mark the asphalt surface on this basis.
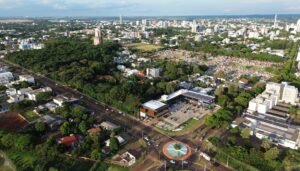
(104, 112)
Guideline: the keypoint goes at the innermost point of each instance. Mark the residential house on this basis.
(32, 94)
(121, 141)
(94, 131)
(52, 121)
(70, 140)
(109, 126)
(125, 160)
(27, 78)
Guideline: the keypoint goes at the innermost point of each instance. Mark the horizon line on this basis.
(117, 16)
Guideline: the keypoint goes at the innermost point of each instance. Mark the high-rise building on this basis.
(290, 94)
(145, 22)
(194, 26)
(298, 26)
(121, 20)
(98, 37)
(275, 22)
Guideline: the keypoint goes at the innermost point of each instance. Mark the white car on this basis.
(173, 161)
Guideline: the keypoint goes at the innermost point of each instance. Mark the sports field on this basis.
(145, 47)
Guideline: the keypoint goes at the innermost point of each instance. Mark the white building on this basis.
(16, 98)
(31, 95)
(60, 100)
(11, 92)
(298, 56)
(290, 94)
(194, 26)
(298, 26)
(109, 126)
(27, 78)
(153, 72)
(98, 37)
(125, 160)
(6, 77)
(121, 140)
(274, 94)
(24, 90)
(270, 127)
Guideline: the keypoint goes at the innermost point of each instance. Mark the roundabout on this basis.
(175, 150)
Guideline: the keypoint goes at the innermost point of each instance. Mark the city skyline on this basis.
(145, 8)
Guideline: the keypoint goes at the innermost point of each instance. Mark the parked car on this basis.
(172, 161)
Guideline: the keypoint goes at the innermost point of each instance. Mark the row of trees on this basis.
(235, 50)
(263, 156)
(233, 101)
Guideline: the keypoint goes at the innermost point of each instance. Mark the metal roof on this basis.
(153, 104)
(199, 96)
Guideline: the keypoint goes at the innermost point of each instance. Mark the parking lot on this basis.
(180, 113)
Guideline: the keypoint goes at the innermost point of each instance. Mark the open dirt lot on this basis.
(15, 21)
(11, 121)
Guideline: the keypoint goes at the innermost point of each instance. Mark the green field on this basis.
(117, 168)
(145, 47)
(30, 116)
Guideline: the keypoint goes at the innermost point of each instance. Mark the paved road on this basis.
(100, 109)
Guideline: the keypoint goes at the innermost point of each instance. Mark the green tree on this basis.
(83, 127)
(246, 133)
(271, 154)
(266, 144)
(114, 144)
(223, 100)
(44, 96)
(65, 128)
(40, 126)
(232, 140)
(197, 70)
(96, 155)
(170, 88)
(99, 166)
(23, 141)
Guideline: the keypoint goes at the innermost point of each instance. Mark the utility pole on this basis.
(227, 161)
(158, 155)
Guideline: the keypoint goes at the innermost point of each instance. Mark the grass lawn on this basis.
(190, 122)
(145, 47)
(30, 115)
(187, 127)
(5, 168)
(22, 159)
(117, 168)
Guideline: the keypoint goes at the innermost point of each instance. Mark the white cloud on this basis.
(9, 4)
(293, 8)
(67, 4)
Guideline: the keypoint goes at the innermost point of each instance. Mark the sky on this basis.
(45, 8)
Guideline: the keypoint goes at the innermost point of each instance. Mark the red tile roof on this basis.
(94, 130)
(244, 80)
(68, 140)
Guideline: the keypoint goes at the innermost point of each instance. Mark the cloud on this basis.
(293, 8)
(10, 4)
(145, 7)
(227, 10)
(68, 4)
